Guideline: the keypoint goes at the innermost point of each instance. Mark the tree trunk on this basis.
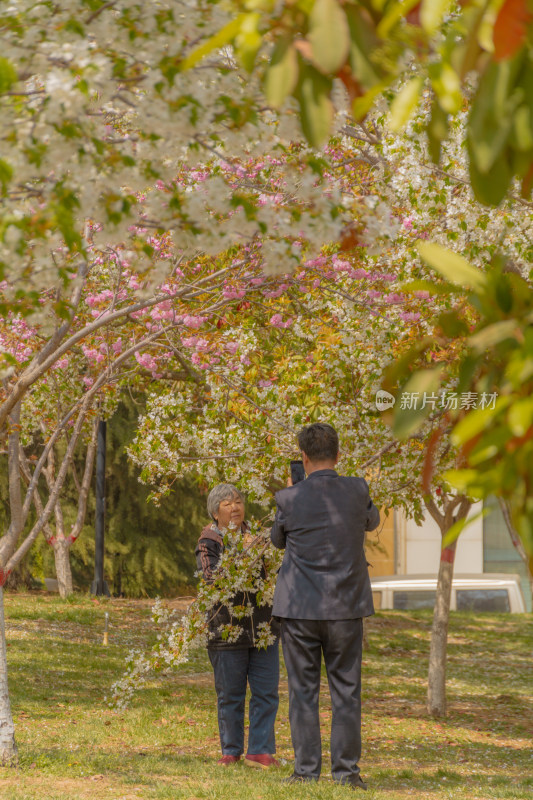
(452, 509)
(8, 748)
(20, 578)
(62, 562)
(439, 635)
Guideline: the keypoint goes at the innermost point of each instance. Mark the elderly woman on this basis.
(238, 663)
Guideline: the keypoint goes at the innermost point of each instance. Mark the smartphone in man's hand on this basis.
(297, 471)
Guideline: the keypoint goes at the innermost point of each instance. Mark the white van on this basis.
(482, 592)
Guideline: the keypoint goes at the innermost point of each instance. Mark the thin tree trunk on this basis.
(8, 748)
(63, 571)
(517, 542)
(439, 635)
(9, 541)
(452, 510)
(60, 544)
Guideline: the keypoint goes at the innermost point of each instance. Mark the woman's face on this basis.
(230, 511)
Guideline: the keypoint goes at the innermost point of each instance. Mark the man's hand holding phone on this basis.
(297, 473)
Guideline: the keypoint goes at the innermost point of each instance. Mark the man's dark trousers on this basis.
(340, 641)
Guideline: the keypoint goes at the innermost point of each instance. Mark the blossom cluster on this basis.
(246, 567)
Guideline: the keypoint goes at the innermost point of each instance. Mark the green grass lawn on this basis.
(71, 745)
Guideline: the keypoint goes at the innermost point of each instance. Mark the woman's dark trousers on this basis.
(341, 641)
(233, 670)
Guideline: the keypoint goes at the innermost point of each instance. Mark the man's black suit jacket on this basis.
(321, 524)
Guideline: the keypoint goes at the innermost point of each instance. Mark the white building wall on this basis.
(418, 547)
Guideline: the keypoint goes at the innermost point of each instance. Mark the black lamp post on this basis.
(99, 585)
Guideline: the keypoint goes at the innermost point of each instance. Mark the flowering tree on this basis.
(109, 147)
(373, 46)
(117, 130)
(318, 344)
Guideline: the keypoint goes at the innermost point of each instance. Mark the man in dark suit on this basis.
(322, 593)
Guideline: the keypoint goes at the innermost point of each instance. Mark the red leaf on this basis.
(527, 183)
(429, 464)
(510, 28)
(352, 85)
(349, 238)
(413, 16)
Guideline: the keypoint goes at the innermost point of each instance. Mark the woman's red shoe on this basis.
(225, 761)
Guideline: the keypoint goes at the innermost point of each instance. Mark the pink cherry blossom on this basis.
(394, 298)
(193, 321)
(232, 293)
(340, 265)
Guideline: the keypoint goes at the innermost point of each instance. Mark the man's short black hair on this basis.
(319, 441)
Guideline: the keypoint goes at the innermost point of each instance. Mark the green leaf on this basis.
(488, 446)
(248, 41)
(492, 113)
(432, 13)
(523, 128)
(458, 527)
(8, 75)
(426, 286)
(447, 86)
(222, 37)
(490, 187)
(452, 266)
(405, 103)
(66, 223)
(329, 36)
(316, 109)
(493, 334)
(437, 130)
(476, 421)
(282, 74)
(362, 105)
(74, 25)
(466, 481)
(363, 42)
(520, 416)
(6, 174)
(408, 420)
(451, 325)
(396, 14)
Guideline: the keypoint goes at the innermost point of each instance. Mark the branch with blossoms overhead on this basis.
(316, 343)
(245, 569)
(105, 136)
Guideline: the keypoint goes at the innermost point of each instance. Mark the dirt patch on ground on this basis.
(91, 787)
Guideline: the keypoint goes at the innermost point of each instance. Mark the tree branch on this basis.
(38, 366)
(16, 523)
(85, 486)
